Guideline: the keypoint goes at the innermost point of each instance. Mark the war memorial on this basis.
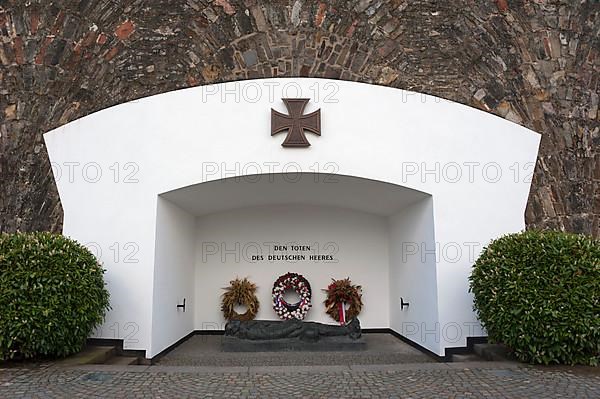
(251, 198)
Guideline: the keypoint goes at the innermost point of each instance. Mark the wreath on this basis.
(299, 284)
(340, 293)
(240, 292)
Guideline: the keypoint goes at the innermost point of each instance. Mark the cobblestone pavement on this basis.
(426, 380)
(206, 351)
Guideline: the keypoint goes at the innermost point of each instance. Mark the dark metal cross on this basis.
(295, 123)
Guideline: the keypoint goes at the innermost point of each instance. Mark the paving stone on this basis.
(418, 381)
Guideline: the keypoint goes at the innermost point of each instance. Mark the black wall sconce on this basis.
(403, 304)
(182, 306)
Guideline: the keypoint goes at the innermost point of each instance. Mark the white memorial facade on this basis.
(179, 193)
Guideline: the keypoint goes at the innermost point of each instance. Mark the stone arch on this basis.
(535, 64)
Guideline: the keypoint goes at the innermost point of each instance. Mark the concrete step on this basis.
(123, 360)
(492, 352)
(469, 357)
(90, 355)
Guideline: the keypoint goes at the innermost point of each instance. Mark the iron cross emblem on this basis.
(296, 122)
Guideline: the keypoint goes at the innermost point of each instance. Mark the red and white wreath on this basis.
(297, 283)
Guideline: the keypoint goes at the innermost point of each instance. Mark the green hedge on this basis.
(539, 294)
(52, 295)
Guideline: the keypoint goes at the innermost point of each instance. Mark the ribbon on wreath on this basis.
(342, 312)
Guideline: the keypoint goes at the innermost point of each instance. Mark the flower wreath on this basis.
(240, 292)
(340, 293)
(294, 310)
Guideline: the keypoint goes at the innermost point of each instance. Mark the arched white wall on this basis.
(207, 133)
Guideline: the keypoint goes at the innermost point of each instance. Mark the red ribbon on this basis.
(341, 313)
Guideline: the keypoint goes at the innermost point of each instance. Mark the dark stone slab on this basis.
(277, 329)
(291, 335)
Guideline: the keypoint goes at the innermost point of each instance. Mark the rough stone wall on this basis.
(535, 62)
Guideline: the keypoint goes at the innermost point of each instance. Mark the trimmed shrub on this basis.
(52, 295)
(538, 292)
